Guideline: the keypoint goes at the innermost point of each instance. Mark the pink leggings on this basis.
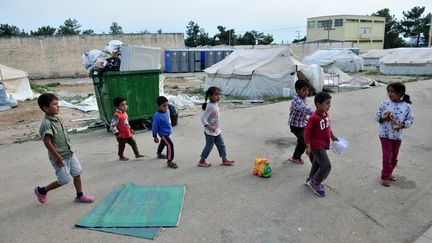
(390, 151)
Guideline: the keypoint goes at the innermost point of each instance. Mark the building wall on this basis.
(366, 32)
(60, 56)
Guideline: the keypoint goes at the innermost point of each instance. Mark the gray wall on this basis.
(60, 56)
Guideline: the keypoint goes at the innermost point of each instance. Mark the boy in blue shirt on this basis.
(162, 126)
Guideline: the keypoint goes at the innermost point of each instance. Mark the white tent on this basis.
(16, 83)
(264, 72)
(344, 59)
(371, 57)
(407, 61)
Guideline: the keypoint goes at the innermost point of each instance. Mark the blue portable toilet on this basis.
(168, 61)
(203, 60)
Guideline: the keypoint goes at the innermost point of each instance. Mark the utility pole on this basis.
(229, 38)
(328, 28)
(430, 34)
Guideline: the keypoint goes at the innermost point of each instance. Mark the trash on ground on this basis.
(87, 105)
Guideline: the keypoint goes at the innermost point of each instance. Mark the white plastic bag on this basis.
(339, 146)
(113, 46)
(89, 58)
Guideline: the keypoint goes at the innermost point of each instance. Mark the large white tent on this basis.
(371, 57)
(264, 72)
(407, 61)
(16, 83)
(344, 59)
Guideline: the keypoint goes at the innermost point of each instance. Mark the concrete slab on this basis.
(229, 204)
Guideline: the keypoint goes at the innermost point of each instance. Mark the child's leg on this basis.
(321, 158)
(170, 147)
(208, 146)
(131, 141)
(314, 168)
(161, 146)
(395, 153)
(77, 183)
(387, 154)
(220, 145)
(121, 146)
(75, 172)
(301, 146)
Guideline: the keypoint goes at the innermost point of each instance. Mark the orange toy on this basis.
(262, 167)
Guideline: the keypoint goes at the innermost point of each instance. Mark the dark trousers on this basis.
(166, 141)
(390, 151)
(321, 166)
(123, 141)
(301, 146)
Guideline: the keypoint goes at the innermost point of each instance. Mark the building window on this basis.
(338, 22)
(364, 41)
(311, 24)
(379, 21)
(377, 41)
(352, 20)
(365, 21)
(324, 23)
(365, 31)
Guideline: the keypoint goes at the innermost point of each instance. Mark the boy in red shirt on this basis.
(317, 137)
(120, 127)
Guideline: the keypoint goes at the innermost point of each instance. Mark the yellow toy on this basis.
(262, 167)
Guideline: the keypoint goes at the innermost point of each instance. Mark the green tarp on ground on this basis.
(139, 211)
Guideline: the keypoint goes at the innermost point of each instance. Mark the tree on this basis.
(116, 29)
(44, 30)
(225, 37)
(248, 38)
(70, 27)
(299, 40)
(192, 32)
(391, 30)
(88, 32)
(265, 39)
(9, 30)
(414, 23)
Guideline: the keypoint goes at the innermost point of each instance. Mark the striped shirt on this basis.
(299, 111)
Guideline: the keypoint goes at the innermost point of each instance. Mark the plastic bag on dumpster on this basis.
(113, 46)
(113, 64)
(89, 58)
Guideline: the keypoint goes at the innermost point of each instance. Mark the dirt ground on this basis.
(21, 124)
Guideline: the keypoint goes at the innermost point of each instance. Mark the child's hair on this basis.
(301, 83)
(160, 100)
(321, 97)
(45, 99)
(209, 92)
(118, 100)
(400, 89)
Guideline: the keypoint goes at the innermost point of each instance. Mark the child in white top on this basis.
(212, 131)
(393, 116)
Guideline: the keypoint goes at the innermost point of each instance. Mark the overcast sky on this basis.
(281, 18)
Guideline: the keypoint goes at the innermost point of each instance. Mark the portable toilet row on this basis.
(193, 60)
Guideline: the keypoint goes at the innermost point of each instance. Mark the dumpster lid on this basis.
(115, 73)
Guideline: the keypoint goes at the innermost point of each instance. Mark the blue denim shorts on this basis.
(71, 167)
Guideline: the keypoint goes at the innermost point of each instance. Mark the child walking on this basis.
(162, 126)
(393, 116)
(317, 137)
(120, 127)
(61, 155)
(210, 119)
(299, 113)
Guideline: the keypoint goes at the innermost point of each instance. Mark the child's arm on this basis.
(307, 135)
(113, 126)
(300, 105)
(48, 141)
(155, 126)
(333, 137)
(409, 119)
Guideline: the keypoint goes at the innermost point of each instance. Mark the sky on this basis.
(283, 19)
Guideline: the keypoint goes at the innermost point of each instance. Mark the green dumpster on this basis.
(139, 87)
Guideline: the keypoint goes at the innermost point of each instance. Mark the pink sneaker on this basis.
(204, 163)
(85, 198)
(40, 197)
(227, 162)
(296, 161)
